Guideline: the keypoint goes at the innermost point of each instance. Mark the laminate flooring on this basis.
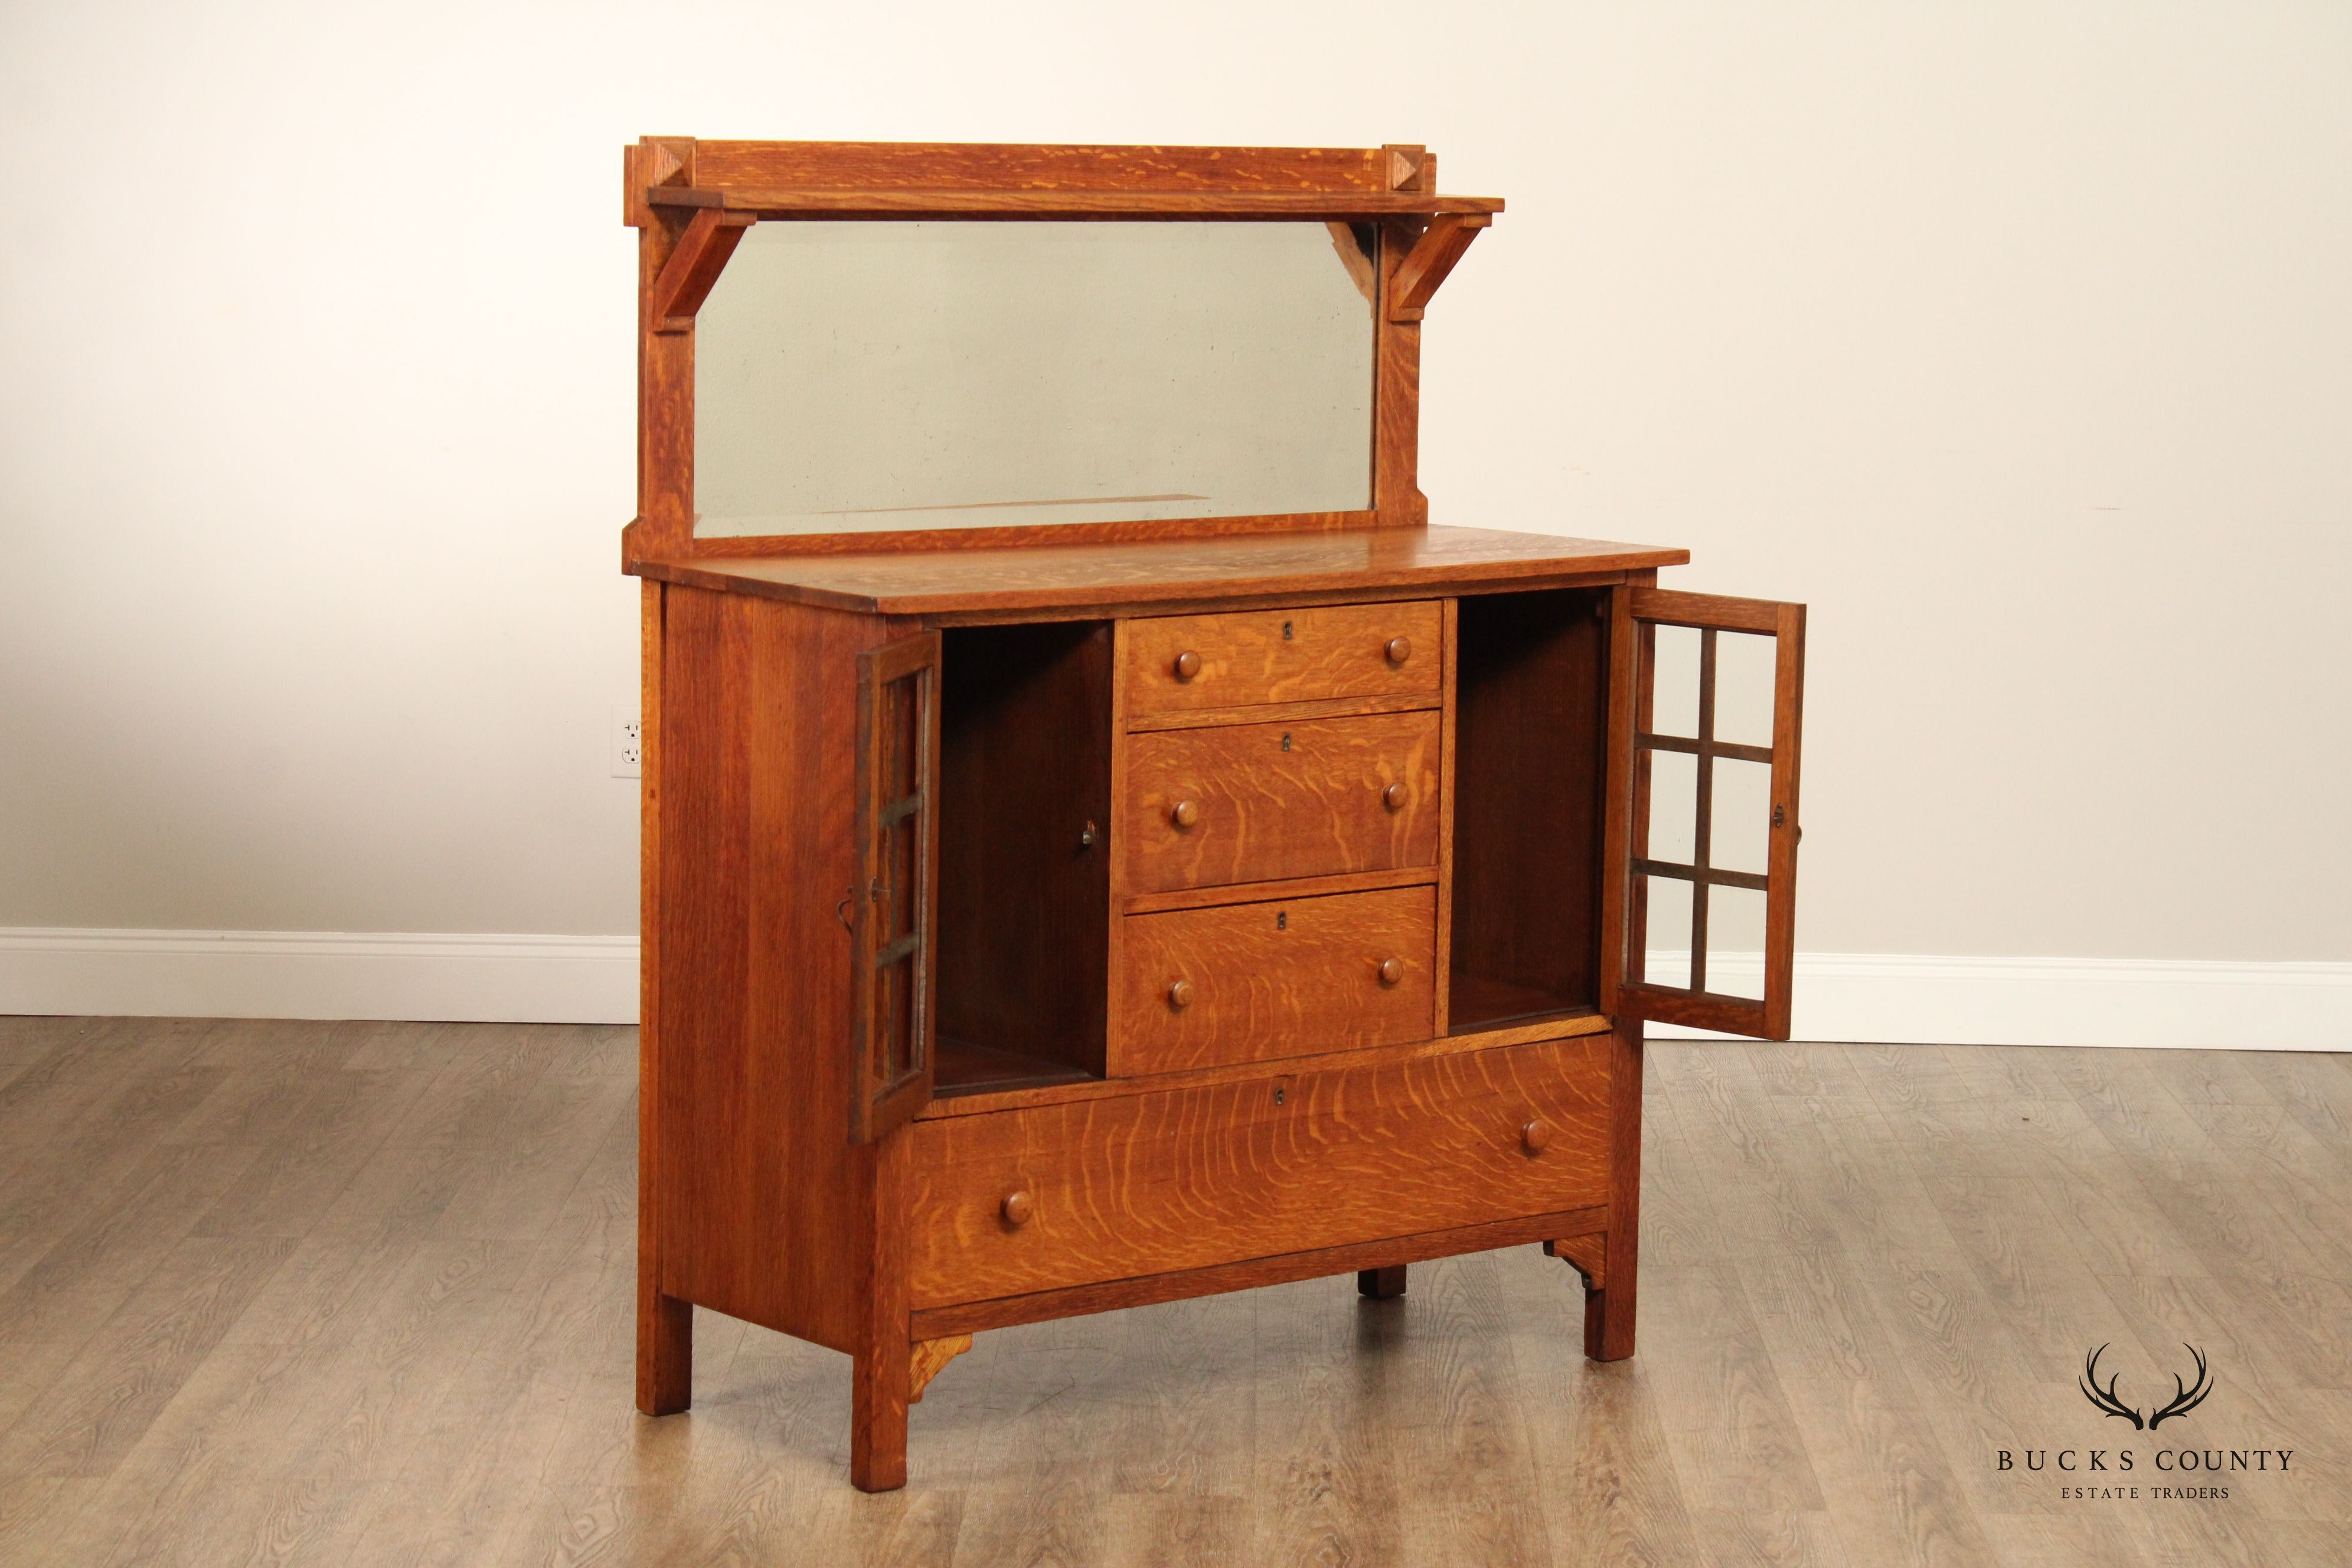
(359, 1294)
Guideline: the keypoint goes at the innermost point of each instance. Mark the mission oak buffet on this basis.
(1047, 917)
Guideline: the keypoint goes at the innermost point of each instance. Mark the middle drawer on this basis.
(1259, 803)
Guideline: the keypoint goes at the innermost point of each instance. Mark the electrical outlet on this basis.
(628, 742)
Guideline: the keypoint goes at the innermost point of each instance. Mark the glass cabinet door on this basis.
(1705, 714)
(897, 837)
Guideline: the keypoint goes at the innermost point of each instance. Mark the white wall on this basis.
(2015, 339)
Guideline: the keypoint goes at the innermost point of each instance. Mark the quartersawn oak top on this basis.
(1001, 578)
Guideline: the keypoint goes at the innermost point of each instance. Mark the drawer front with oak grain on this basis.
(1012, 1202)
(1256, 802)
(1178, 664)
(1290, 977)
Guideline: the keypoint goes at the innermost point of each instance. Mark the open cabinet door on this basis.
(894, 975)
(1679, 794)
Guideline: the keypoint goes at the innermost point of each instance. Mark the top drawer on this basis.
(1178, 663)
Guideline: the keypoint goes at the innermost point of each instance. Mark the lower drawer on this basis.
(1287, 977)
(1152, 1184)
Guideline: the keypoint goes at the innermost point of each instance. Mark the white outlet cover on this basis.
(628, 742)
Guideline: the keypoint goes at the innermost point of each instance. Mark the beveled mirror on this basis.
(863, 376)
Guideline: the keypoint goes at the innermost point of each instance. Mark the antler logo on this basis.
(2185, 1397)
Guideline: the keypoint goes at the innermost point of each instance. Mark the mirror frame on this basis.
(691, 202)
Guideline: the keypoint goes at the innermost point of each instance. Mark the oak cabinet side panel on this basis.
(768, 1206)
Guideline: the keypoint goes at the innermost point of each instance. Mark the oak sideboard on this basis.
(1056, 902)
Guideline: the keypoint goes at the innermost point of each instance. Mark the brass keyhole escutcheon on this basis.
(1180, 995)
(1282, 920)
(1394, 796)
(1391, 971)
(1398, 649)
(1280, 1094)
(1536, 1136)
(1285, 631)
(1285, 740)
(1188, 665)
(1016, 1208)
(1184, 814)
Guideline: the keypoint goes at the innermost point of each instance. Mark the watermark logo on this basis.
(2159, 1476)
(2186, 1396)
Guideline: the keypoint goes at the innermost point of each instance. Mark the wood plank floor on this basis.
(359, 1294)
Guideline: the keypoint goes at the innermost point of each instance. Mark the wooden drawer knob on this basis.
(1394, 796)
(1017, 1208)
(1188, 665)
(1184, 814)
(1536, 1135)
(1180, 995)
(1399, 649)
(1391, 971)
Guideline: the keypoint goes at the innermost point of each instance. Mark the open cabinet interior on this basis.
(1530, 771)
(1025, 861)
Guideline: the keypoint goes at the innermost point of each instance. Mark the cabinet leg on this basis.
(665, 1353)
(881, 1376)
(877, 1418)
(1381, 1284)
(664, 1323)
(1609, 1311)
(1608, 1322)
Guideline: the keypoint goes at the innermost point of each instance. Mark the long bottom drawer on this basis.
(1018, 1200)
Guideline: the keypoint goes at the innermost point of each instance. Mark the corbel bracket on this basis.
(1432, 256)
(1588, 1255)
(686, 277)
(926, 1360)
